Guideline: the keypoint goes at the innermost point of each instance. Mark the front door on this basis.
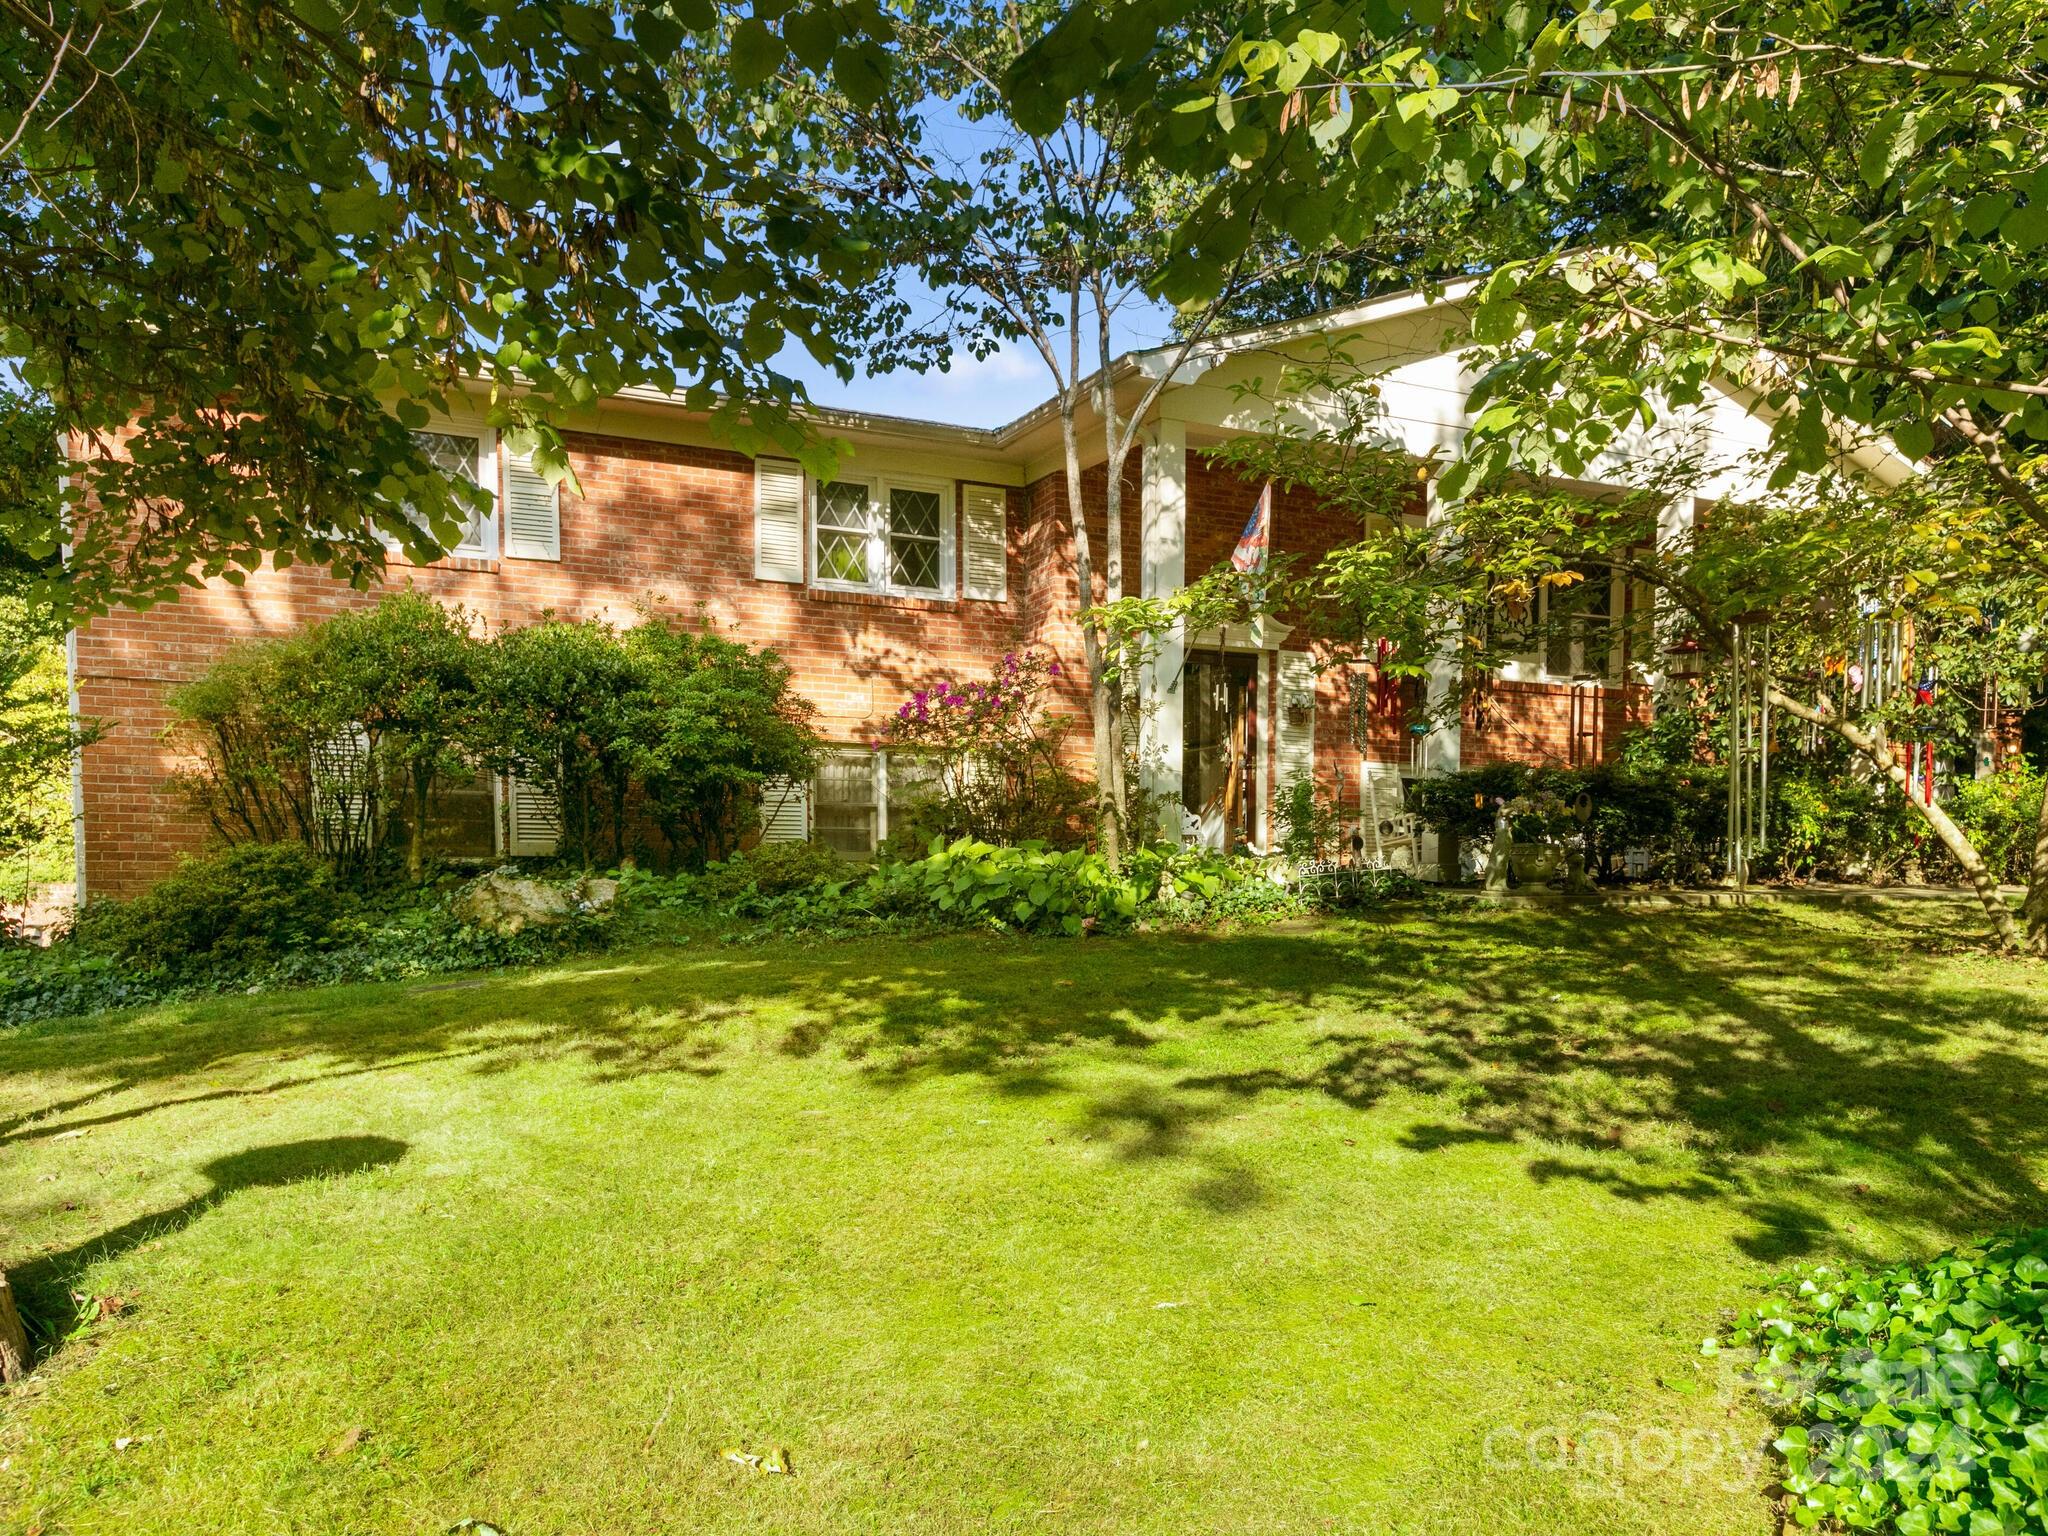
(1219, 747)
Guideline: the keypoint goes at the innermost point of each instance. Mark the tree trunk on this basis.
(1959, 847)
(1108, 827)
(2037, 886)
(13, 1337)
(416, 844)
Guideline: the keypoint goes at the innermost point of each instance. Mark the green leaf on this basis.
(1596, 24)
(2027, 228)
(1836, 262)
(1914, 437)
(756, 52)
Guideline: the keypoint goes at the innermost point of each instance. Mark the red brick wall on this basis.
(1540, 723)
(1052, 579)
(657, 522)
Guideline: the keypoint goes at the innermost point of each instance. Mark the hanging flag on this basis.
(1257, 538)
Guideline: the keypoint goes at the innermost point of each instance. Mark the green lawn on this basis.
(1282, 1231)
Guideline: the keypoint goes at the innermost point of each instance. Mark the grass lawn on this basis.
(1411, 1225)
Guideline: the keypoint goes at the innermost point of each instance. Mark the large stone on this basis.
(507, 902)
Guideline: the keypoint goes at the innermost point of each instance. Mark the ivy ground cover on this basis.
(1408, 1224)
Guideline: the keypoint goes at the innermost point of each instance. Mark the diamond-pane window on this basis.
(844, 531)
(916, 520)
(457, 456)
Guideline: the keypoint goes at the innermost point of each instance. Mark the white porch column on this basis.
(1163, 526)
(1443, 747)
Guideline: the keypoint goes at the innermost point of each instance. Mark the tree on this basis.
(553, 708)
(404, 674)
(245, 250)
(1824, 564)
(715, 719)
(37, 740)
(1852, 221)
(1045, 231)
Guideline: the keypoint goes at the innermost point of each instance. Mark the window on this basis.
(464, 456)
(845, 533)
(908, 783)
(884, 535)
(861, 798)
(843, 814)
(1578, 626)
(1567, 631)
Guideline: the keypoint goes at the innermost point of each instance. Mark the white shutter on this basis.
(535, 819)
(341, 781)
(1297, 717)
(778, 520)
(785, 811)
(533, 512)
(985, 559)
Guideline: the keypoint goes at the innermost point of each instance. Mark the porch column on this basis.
(1164, 533)
(1443, 747)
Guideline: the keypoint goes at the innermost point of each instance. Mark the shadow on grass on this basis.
(45, 1285)
(1740, 1058)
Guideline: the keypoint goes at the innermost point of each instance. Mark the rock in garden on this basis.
(507, 902)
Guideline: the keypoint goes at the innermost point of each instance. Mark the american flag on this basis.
(1257, 538)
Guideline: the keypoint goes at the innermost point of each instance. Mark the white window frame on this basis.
(1533, 666)
(490, 475)
(879, 488)
(878, 768)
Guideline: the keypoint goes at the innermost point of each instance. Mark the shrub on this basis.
(1674, 812)
(2000, 814)
(319, 736)
(1310, 822)
(325, 736)
(245, 903)
(712, 720)
(555, 703)
(1916, 1394)
(1345, 889)
(994, 752)
(1835, 822)
(385, 936)
(739, 886)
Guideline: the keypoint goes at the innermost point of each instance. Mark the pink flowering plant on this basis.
(992, 749)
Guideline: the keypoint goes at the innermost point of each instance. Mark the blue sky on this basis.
(974, 392)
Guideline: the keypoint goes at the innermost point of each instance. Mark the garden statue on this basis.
(1497, 857)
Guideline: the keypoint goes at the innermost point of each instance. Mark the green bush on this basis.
(2001, 815)
(1027, 888)
(243, 904)
(1837, 823)
(1917, 1396)
(746, 882)
(1677, 813)
(388, 935)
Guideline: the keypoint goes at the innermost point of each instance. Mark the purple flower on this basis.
(1052, 668)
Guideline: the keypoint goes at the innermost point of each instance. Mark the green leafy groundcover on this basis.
(1026, 887)
(231, 922)
(1918, 1394)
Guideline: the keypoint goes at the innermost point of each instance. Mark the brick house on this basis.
(935, 549)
